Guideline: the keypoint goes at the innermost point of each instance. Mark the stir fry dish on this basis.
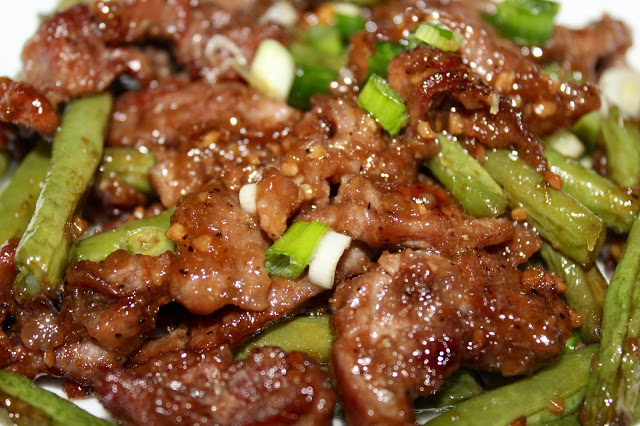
(306, 212)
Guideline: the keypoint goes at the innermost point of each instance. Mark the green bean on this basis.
(465, 178)
(585, 290)
(613, 387)
(144, 236)
(526, 397)
(588, 129)
(568, 225)
(60, 411)
(611, 203)
(622, 145)
(571, 404)
(458, 387)
(309, 334)
(18, 198)
(42, 254)
(129, 165)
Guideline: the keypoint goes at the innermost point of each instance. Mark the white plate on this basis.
(19, 19)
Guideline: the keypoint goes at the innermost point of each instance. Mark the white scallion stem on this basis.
(272, 70)
(248, 198)
(282, 13)
(621, 86)
(322, 269)
(567, 144)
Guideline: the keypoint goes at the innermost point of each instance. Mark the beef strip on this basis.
(547, 104)
(269, 387)
(67, 58)
(407, 325)
(383, 218)
(21, 104)
(220, 254)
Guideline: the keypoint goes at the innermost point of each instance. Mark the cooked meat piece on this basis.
(8, 274)
(220, 254)
(21, 104)
(380, 218)
(187, 388)
(547, 105)
(277, 198)
(115, 192)
(407, 325)
(67, 58)
(588, 49)
(176, 111)
(456, 100)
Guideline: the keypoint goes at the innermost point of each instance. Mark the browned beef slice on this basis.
(384, 218)
(21, 104)
(404, 327)
(220, 254)
(185, 388)
(67, 57)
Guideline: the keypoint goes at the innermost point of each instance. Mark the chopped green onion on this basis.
(322, 269)
(573, 342)
(349, 20)
(325, 39)
(309, 80)
(379, 61)
(303, 54)
(272, 70)
(525, 21)
(438, 35)
(147, 240)
(247, 197)
(290, 255)
(621, 86)
(281, 12)
(566, 143)
(378, 99)
(589, 129)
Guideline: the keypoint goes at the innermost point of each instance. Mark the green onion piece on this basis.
(325, 39)
(589, 129)
(348, 21)
(440, 36)
(379, 61)
(147, 240)
(272, 70)
(573, 342)
(378, 99)
(290, 255)
(525, 21)
(303, 54)
(309, 80)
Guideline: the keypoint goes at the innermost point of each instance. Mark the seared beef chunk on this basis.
(384, 218)
(406, 326)
(67, 58)
(21, 104)
(589, 49)
(220, 254)
(187, 388)
(277, 198)
(546, 104)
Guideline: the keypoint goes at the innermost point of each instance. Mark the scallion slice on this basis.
(525, 21)
(147, 240)
(378, 99)
(272, 70)
(309, 80)
(385, 52)
(322, 269)
(247, 197)
(438, 35)
(349, 20)
(325, 39)
(290, 255)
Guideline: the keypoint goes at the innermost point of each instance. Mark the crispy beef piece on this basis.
(410, 323)
(380, 218)
(21, 104)
(176, 110)
(8, 274)
(431, 88)
(115, 192)
(67, 58)
(185, 388)
(547, 105)
(589, 49)
(277, 198)
(189, 27)
(220, 254)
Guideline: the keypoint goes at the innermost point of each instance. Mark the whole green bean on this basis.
(611, 203)
(622, 145)
(526, 397)
(588, 129)
(568, 225)
(42, 254)
(613, 387)
(571, 405)
(458, 387)
(309, 334)
(139, 236)
(18, 198)
(465, 178)
(60, 411)
(129, 165)
(581, 286)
